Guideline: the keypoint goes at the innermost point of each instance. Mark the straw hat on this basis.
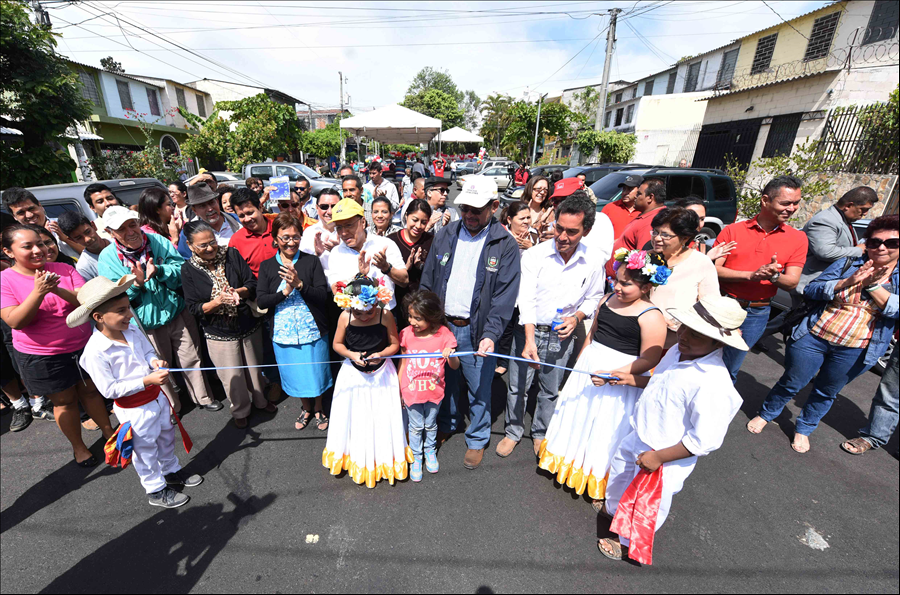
(95, 292)
(715, 316)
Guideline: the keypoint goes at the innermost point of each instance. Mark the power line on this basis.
(572, 58)
(782, 18)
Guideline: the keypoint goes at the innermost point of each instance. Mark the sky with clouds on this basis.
(298, 47)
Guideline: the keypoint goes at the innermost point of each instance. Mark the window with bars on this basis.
(201, 106)
(882, 22)
(606, 119)
(648, 88)
(726, 70)
(619, 113)
(179, 96)
(618, 98)
(670, 86)
(153, 100)
(89, 87)
(629, 114)
(821, 36)
(782, 133)
(124, 95)
(765, 47)
(693, 76)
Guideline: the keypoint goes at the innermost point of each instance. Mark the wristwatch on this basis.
(389, 269)
(774, 277)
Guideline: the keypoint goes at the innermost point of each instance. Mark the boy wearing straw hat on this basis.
(124, 366)
(682, 414)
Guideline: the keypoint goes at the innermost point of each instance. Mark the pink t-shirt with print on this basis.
(47, 334)
(423, 378)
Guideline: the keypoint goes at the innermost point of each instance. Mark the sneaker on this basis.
(45, 412)
(21, 419)
(431, 462)
(177, 479)
(415, 471)
(168, 498)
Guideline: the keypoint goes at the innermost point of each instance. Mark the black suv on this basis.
(592, 173)
(714, 186)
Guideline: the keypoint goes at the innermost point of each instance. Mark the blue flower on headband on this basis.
(661, 276)
(368, 295)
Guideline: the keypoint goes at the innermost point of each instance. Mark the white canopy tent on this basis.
(460, 135)
(394, 124)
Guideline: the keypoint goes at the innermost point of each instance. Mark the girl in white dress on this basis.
(592, 415)
(366, 437)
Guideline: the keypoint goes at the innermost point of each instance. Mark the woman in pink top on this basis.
(37, 295)
(422, 379)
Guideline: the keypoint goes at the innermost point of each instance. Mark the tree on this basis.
(471, 110)
(496, 118)
(611, 146)
(584, 111)
(436, 104)
(40, 97)
(518, 139)
(323, 142)
(429, 78)
(108, 63)
(261, 130)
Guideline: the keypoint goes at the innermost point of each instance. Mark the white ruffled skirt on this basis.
(366, 436)
(588, 424)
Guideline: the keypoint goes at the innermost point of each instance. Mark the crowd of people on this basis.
(634, 331)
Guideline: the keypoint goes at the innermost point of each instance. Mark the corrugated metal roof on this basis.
(769, 84)
(127, 76)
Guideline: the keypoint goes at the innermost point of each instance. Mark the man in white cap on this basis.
(683, 414)
(474, 268)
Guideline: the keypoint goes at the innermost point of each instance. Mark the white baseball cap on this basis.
(477, 191)
(115, 217)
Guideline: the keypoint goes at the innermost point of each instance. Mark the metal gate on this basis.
(719, 142)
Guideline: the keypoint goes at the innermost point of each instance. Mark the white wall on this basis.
(138, 98)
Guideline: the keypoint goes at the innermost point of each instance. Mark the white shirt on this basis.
(308, 241)
(691, 402)
(599, 241)
(548, 283)
(343, 264)
(225, 231)
(87, 265)
(117, 369)
(419, 168)
(461, 284)
(390, 192)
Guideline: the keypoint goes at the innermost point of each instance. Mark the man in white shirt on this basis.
(361, 252)
(81, 230)
(205, 204)
(558, 274)
(320, 238)
(378, 186)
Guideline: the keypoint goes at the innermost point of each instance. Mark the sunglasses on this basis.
(441, 190)
(890, 244)
(288, 205)
(473, 210)
(325, 207)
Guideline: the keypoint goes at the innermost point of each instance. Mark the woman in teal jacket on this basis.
(155, 298)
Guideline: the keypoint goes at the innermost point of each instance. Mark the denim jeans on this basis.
(477, 373)
(422, 417)
(752, 331)
(833, 366)
(521, 375)
(885, 406)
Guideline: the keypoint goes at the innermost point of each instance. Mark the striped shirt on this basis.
(849, 319)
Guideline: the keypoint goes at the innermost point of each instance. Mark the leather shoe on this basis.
(214, 406)
(505, 447)
(241, 423)
(473, 458)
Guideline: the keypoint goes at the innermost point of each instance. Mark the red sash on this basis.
(148, 395)
(637, 512)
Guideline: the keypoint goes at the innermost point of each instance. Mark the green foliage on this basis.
(471, 105)
(39, 96)
(429, 78)
(585, 109)
(108, 63)
(518, 139)
(805, 163)
(150, 162)
(436, 104)
(878, 141)
(611, 146)
(323, 142)
(495, 111)
(401, 148)
(262, 130)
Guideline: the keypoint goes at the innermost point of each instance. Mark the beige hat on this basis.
(95, 292)
(116, 216)
(715, 316)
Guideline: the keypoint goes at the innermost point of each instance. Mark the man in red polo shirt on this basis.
(769, 254)
(254, 239)
(622, 212)
(649, 199)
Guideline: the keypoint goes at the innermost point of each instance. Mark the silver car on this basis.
(294, 173)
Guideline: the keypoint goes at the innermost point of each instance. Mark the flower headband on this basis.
(649, 264)
(366, 299)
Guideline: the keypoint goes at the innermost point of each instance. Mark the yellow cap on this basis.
(347, 208)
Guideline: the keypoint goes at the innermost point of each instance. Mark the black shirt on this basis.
(315, 292)
(197, 286)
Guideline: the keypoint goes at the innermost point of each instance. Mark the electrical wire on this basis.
(783, 19)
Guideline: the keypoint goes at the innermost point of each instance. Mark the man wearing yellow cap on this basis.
(361, 252)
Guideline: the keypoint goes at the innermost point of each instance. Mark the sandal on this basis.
(860, 444)
(303, 420)
(321, 421)
(618, 552)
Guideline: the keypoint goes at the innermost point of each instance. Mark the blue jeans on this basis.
(752, 331)
(885, 406)
(478, 373)
(834, 367)
(422, 417)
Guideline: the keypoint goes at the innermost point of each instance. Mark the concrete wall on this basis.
(138, 98)
(883, 185)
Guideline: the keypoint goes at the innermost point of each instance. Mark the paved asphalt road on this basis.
(754, 516)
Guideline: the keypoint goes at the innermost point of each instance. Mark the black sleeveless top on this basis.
(366, 340)
(622, 333)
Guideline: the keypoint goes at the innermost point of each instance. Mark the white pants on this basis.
(153, 438)
(623, 470)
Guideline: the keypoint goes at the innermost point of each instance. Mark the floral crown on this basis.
(649, 264)
(366, 299)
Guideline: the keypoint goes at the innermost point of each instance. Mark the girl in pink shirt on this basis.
(422, 379)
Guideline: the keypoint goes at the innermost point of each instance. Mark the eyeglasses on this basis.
(539, 191)
(289, 239)
(441, 190)
(288, 205)
(205, 246)
(665, 236)
(890, 244)
(473, 210)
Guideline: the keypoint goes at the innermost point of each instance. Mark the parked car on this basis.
(58, 198)
(467, 167)
(546, 170)
(499, 173)
(223, 177)
(293, 171)
(495, 162)
(592, 173)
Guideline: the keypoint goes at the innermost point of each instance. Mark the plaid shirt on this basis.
(849, 319)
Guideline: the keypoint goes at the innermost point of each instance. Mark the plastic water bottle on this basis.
(554, 346)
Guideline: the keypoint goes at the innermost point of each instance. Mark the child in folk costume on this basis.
(682, 414)
(591, 415)
(366, 436)
(124, 366)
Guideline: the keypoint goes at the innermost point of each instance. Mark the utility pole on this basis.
(537, 127)
(604, 85)
(340, 131)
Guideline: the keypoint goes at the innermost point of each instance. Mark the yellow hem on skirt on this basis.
(573, 478)
(362, 475)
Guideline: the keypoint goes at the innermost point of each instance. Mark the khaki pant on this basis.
(180, 337)
(241, 386)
